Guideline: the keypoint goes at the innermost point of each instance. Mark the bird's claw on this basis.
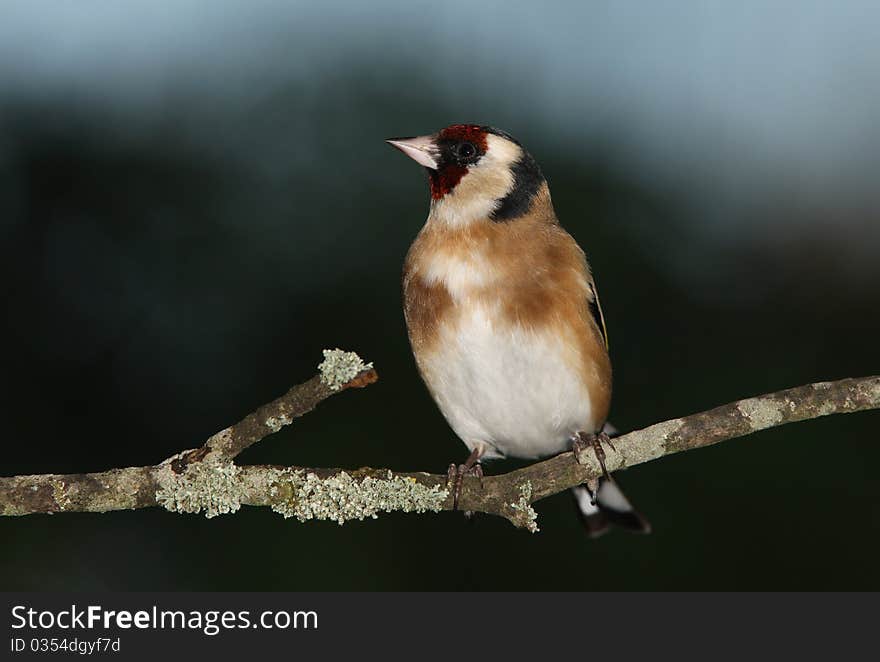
(455, 477)
(583, 440)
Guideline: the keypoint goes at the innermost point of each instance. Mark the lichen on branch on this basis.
(210, 487)
(207, 480)
(342, 497)
(340, 367)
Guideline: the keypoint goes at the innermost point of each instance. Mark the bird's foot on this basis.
(455, 478)
(456, 473)
(584, 440)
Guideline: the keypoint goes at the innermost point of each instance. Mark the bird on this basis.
(503, 315)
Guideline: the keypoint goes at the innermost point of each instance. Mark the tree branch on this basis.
(207, 480)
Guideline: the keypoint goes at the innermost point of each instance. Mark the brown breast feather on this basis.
(541, 284)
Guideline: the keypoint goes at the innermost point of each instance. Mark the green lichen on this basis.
(762, 413)
(340, 367)
(59, 494)
(209, 487)
(275, 423)
(341, 497)
(525, 516)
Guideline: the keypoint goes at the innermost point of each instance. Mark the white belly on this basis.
(512, 390)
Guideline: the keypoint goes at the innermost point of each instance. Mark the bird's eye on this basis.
(466, 150)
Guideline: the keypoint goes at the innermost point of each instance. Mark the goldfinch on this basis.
(503, 314)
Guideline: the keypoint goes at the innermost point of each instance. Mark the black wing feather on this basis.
(596, 311)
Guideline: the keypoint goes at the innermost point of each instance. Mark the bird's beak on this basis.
(421, 149)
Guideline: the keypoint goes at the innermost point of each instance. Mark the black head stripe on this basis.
(527, 179)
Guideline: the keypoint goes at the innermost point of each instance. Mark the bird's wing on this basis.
(596, 311)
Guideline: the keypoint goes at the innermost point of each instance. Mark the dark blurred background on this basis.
(195, 200)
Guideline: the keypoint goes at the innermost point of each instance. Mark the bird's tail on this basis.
(607, 506)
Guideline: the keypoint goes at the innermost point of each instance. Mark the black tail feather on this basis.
(608, 506)
(594, 520)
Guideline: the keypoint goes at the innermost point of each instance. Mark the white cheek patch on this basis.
(480, 191)
(501, 151)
